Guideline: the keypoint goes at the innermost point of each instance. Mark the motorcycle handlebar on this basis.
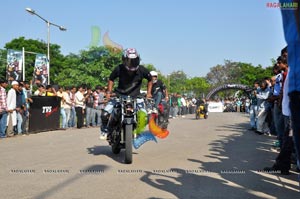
(118, 95)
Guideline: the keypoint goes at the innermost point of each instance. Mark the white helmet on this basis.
(153, 73)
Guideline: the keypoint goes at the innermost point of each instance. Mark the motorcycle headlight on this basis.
(129, 108)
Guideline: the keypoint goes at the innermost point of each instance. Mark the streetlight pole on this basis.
(48, 35)
(48, 49)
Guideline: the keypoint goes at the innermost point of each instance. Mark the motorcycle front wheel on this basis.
(115, 147)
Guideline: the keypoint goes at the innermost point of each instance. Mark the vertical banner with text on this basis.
(40, 72)
(14, 65)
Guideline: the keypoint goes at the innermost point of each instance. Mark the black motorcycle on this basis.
(123, 121)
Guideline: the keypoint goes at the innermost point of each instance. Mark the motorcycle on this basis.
(123, 121)
(160, 114)
(201, 113)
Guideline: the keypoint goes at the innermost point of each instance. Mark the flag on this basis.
(40, 72)
(14, 69)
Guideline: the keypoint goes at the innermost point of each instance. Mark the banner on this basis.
(14, 65)
(40, 72)
(215, 107)
(44, 114)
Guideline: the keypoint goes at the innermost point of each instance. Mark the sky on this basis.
(173, 35)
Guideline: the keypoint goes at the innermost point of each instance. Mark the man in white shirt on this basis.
(11, 108)
(79, 106)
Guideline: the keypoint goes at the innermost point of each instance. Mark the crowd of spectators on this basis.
(181, 105)
(80, 106)
(269, 113)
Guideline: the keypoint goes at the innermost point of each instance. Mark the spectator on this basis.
(179, 105)
(291, 26)
(278, 118)
(27, 90)
(247, 105)
(283, 160)
(79, 106)
(263, 105)
(73, 112)
(40, 91)
(89, 103)
(183, 106)
(63, 104)
(3, 108)
(99, 104)
(67, 105)
(11, 108)
(253, 106)
(20, 108)
(50, 91)
(238, 104)
(194, 101)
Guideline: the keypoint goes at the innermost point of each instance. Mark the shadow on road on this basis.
(106, 151)
(234, 170)
(55, 189)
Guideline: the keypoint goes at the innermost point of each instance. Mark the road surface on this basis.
(213, 158)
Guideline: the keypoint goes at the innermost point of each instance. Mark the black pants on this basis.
(283, 160)
(79, 115)
(295, 119)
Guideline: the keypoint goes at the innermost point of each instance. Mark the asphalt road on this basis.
(213, 158)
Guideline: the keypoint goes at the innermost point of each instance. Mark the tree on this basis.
(177, 82)
(236, 73)
(251, 73)
(222, 74)
(197, 86)
(3, 63)
(92, 67)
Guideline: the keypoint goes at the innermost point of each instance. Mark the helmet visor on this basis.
(132, 64)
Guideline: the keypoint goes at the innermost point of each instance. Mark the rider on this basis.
(159, 90)
(202, 102)
(130, 74)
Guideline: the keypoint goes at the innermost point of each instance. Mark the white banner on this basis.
(215, 107)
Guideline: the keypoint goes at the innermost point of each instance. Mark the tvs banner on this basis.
(14, 65)
(44, 114)
(40, 72)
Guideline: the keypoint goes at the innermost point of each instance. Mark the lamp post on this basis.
(48, 35)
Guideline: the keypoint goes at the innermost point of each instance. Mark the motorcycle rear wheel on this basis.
(128, 143)
(197, 115)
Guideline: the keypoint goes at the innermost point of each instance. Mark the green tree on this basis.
(251, 73)
(237, 73)
(3, 63)
(222, 74)
(197, 86)
(91, 67)
(177, 82)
